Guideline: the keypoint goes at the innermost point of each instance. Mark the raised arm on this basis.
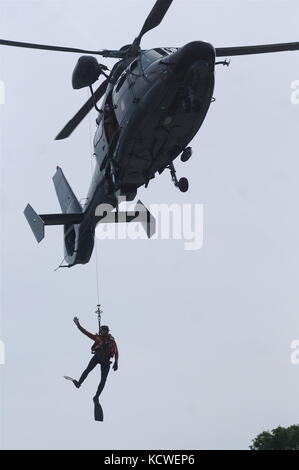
(85, 332)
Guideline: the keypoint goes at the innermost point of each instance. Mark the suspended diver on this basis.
(104, 349)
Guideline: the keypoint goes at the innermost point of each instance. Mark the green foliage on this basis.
(278, 439)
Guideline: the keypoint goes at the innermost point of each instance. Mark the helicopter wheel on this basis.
(187, 153)
(183, 185)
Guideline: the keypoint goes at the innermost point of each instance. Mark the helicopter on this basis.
(154, 103)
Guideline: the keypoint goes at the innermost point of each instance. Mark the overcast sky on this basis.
(204, 336)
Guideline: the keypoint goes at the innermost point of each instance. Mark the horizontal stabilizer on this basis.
(140, 214)
(38, 222)
(148, 220)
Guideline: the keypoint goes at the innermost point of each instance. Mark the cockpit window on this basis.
(148, 57)
(161, 51)
(171, 50)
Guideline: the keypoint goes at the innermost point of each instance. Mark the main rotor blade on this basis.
(86, 108)
(45, 47)
(155, 17)
(262, 49)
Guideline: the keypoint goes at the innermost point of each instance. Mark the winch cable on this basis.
(95, 244)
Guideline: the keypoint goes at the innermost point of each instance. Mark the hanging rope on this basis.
(95, 244)
(97, 272)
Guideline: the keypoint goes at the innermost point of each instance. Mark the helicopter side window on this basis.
(121, 82)
(124, 75)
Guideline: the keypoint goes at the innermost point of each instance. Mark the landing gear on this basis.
(182, 184)
(187, 153)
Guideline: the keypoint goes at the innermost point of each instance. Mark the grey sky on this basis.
(204, 336)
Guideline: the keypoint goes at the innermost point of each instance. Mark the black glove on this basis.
(115, 366)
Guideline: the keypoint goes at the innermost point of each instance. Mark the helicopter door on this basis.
(110, 122)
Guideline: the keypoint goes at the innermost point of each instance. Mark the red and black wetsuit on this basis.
(104, 349)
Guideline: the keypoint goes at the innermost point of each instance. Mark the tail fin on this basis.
(36, 223)
(67, 199)
(70, 206)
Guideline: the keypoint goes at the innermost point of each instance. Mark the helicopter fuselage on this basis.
(150, 112)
